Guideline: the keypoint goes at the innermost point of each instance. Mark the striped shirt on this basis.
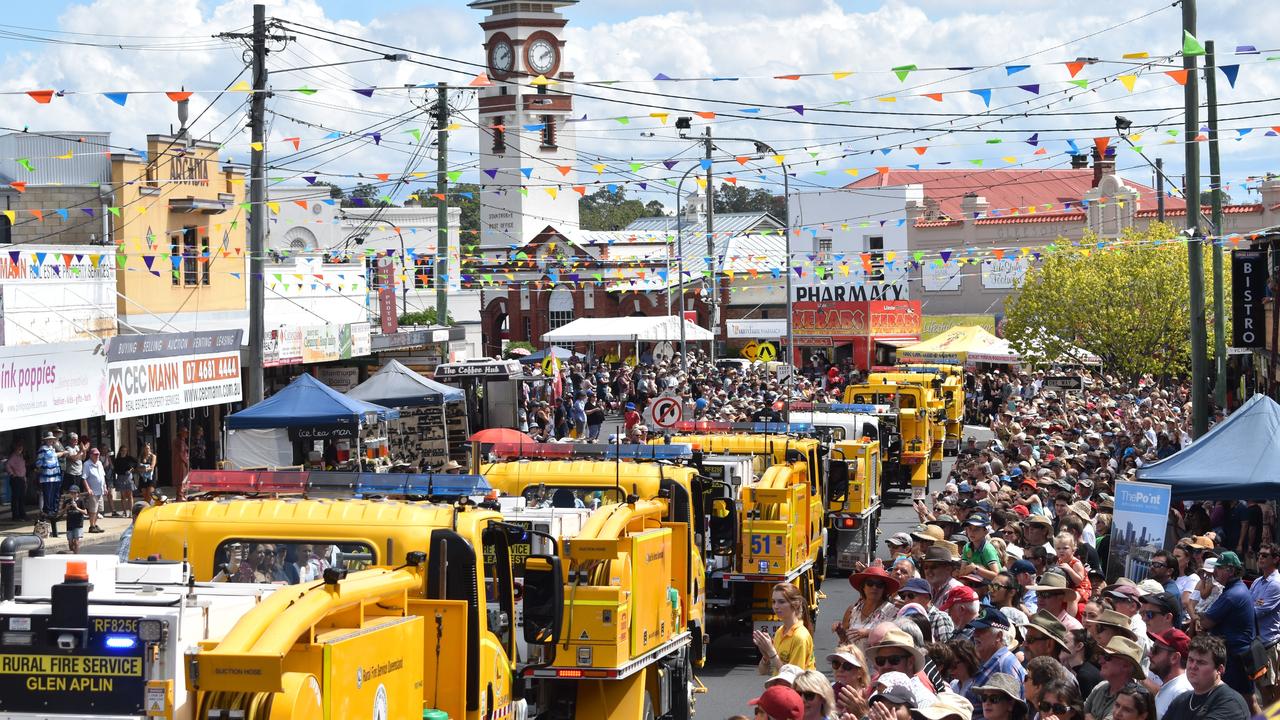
(47, 465)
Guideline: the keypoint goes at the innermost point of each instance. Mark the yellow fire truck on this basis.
(947, 381)
(398, 607)
(764, 532)
(911, 452)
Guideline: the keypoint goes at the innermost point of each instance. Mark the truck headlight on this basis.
(151, 630)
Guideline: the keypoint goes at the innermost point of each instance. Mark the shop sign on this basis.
(831, 290)
(485, 369)
(847, 320)
(1248, 282)
(316, 343)
(762, 328)
(160, 373)
(1004, 273)
(282, 346)
(47, 384)
(934, 325)
(401, 340)
(158, 385)
(339, 377)
(390, 319)
(327, 432)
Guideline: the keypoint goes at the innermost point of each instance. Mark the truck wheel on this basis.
(681, 700)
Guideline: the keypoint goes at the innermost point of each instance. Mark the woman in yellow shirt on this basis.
(792, 644)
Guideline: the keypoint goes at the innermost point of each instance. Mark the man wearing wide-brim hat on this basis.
(1002, 689)
(939, 565)
(1121, 663)
(1044, 635)
(1054, 594)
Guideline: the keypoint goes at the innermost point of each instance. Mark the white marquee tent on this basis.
(627, 329)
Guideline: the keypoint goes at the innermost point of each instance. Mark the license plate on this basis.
(768, 627)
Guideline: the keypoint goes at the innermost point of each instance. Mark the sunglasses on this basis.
(910, 596)
(993, 697)
(1000, 586)
(883, 660)
(1149, 614)
(842, 665)
(1264, 553)
(1055, 708)
(1158, 564)
(808, 695)
(874, 583)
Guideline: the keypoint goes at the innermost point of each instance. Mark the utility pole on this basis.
(1215, 187)
(252, 365)
(711, 252)
(1195, 259)
(442, 208)
(1160, 189)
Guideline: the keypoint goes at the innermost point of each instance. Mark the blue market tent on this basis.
(307, 402)
(1238, 459)
(395, 385)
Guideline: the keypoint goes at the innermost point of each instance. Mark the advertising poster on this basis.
(47, 384)
(1137, 528)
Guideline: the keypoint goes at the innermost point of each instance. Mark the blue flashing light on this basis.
(121, 642)
(600, 451)
(863, 408)
(434, 484)
(780, 428)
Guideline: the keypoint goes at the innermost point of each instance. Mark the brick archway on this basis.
(492, 320)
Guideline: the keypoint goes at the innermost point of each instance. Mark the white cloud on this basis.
(739, 38)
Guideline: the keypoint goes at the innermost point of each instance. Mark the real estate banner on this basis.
(1137, 528)
(149, 374)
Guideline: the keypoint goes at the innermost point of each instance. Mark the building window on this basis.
(560, 308)
(548, 132)
(204, 255)
(6, 230)
(186, 244)
(824, 247)
(499, 136)
(528, 329)
(875, 245)
(422, 276)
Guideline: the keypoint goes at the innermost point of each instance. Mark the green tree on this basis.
(426, 316)
(737, 199)
(470, 206)
(369, 195)
(1128, 302)
(604, 210)
(335, 192)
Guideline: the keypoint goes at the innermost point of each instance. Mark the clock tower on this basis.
(525, 141)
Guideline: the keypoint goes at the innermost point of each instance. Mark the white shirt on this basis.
(1170, 691)
(95, 477)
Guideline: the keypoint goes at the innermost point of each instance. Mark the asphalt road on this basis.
(730, 673)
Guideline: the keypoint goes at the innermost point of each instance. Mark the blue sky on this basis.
(622, 39)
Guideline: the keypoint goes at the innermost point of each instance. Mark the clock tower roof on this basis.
(496, 5)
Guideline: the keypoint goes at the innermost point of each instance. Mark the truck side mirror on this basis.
(724, 525)
(543, 600)
(837, 481)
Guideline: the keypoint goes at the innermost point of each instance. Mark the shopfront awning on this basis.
(627, 329)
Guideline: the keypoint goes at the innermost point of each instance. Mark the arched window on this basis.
(560, 308)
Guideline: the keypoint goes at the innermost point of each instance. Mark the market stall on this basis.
(629, 330)
(421, 437)
(963, 345)
(309, 423)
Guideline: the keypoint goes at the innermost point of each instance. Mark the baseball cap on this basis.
(900, 539)
(1163, 601)
(786, 674)
(917, 585)
(1021, 566)
(780, 703)
(1231, 560)
(896, 695)
(990, 618)
(1174, 639)
(961, 593)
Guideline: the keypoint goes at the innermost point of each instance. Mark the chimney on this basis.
(972, 205)
(1270, 191)
(1103, 164)
(915, 210)
(1079, 162)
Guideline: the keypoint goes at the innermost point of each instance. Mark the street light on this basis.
(684, 347)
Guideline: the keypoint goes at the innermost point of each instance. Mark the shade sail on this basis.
(1238, 459)
(627, 329)
(559, 352)
(307, 402)
(960, 345)
(395, 385)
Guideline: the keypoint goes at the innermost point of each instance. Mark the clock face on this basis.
(542, 56)
(501, 57)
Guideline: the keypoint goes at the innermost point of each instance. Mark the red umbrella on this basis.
(501, 435)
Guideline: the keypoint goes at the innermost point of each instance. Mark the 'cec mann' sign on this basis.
(1248, 281)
